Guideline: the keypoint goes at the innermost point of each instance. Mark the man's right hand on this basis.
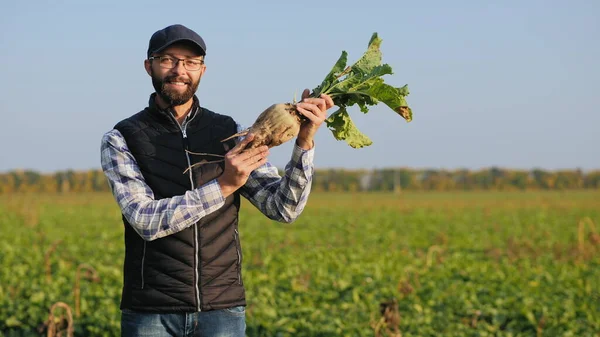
(239, 164)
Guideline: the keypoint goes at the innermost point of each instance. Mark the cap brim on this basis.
(180, 40)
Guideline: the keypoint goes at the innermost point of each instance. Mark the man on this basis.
(182, 268)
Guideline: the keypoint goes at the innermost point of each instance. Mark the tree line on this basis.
(336, 180)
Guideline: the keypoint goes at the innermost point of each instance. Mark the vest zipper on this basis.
(239, 261)
(196, 244)
(183, 129)
(143, 259)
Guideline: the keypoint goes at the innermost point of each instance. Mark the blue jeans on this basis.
(215, 323)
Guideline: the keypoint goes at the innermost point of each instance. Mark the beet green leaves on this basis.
(360, 84)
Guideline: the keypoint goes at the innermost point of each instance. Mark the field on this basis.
(435, 264)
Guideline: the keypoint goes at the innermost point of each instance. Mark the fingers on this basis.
(257, 164)
(312, 112)
(243, 163)
(305, 94)
(239, 167)
(240, 163)
(245, 168)
(314, 108)
(241, 145)
(328, 101)
(320, 102)
(308, 113)
(248, 155)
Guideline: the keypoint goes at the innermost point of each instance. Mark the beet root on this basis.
(276, 125)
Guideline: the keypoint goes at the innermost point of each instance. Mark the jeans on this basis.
(215, 323)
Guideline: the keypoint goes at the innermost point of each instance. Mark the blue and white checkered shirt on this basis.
(279, 198)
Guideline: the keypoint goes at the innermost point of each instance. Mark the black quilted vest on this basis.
(198, 268)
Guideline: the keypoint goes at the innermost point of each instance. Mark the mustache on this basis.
(177, 79)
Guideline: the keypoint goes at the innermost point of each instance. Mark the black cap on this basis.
(171, 34)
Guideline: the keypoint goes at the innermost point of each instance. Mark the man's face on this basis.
(175, 86)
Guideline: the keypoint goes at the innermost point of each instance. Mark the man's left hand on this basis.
(315, 109)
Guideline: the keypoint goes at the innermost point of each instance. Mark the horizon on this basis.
(441, 169)
(508, 85)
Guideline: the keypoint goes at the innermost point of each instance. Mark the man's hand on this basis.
(315, 109)
(239, 164)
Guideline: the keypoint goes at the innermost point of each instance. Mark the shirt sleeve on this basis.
(282, 198)
(152, 219)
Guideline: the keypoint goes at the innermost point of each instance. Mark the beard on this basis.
(173, 97)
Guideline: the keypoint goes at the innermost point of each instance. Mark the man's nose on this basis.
(179, 68)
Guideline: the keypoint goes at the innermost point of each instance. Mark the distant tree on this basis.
(592, 180)
(343, 180)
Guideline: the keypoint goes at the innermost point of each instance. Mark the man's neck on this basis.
(179, 111)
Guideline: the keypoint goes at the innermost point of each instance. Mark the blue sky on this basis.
(507, 83)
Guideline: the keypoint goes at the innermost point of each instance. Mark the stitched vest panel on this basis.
(202, 262)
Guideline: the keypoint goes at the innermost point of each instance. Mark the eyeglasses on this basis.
(170, 62)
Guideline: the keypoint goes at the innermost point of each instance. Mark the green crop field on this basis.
(408, 264)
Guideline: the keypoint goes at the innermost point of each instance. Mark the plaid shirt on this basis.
(279, 198)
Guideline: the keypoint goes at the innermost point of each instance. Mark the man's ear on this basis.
(148, 67)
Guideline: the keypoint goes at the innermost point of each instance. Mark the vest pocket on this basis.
(239, 255)
(142, 266)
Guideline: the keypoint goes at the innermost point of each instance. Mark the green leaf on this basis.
(361, 84)
(359, 80)
(531, 317)
(37, 297)
(356, 296)
(371, 58)
(363, 106)
(392, 97)
(12, 322)
(343, 128)
(337, 69)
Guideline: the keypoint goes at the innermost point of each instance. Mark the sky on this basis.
(510, 84)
